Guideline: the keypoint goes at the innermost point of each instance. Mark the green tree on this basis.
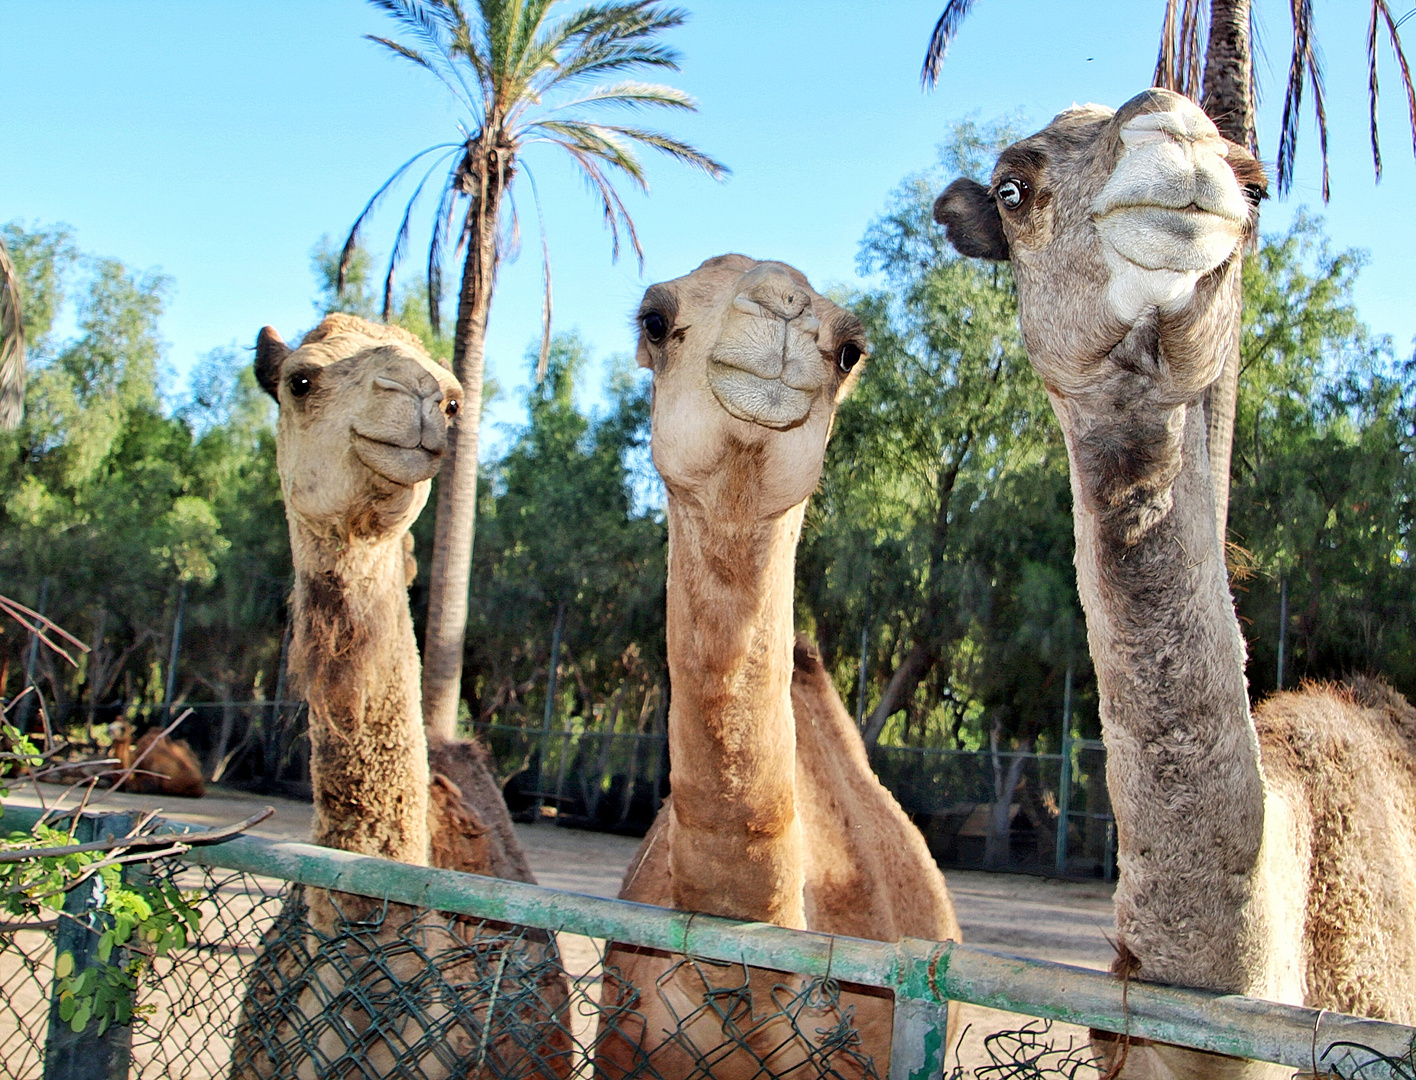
(940, 461)
(522, 78)
(563, 542)
(116, 501)
(1325, 489)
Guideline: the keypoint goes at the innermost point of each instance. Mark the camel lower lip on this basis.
(1184, 240)
(769, 402)
(400, 464)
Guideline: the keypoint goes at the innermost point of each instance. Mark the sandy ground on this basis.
(1067, 922)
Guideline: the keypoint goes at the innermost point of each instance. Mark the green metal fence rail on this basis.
(923, 975)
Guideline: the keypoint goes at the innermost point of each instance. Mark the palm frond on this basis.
(1304, 67)
(634, 95)
(457, 88)
(1372, 89)
(346, 255)
(400, 242)
(609, 60)
(543, 359)
(1383, 8)
(442, 224)
(12, 344)
(595, 140)
(675, 148)
(1179, 65)
(428, 21)
(945, 30)
(612, 208)
(439, 25)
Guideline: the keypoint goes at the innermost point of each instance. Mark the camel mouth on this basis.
(1189, 239)
(770, 403)
(403, 465)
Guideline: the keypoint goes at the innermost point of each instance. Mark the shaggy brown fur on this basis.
(177, 770)
(1264, 855)
(776, 815)
(465, 768)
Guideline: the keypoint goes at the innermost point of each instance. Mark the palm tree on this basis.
(1226, 89)
(12, 344)
(523, 79)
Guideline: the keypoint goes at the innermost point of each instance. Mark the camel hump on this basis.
(1376, 693)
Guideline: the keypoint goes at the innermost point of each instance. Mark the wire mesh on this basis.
(26, 981)
(283, 981)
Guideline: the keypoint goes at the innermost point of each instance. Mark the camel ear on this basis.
(971, 222)
(271, 352)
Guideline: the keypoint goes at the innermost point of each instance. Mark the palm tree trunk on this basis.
(457, 486)
(1229, 102)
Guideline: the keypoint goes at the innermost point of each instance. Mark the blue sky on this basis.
(218, 141)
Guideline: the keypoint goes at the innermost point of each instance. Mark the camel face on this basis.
(364, 415)
(1139, 212)
(748, 361)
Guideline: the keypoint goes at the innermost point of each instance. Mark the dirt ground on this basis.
(1063, 921)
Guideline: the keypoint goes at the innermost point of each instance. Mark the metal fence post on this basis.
(1064, 781)
(87, 1055)
(920, 1037)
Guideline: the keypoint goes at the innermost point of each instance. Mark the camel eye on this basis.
(300, 385)
(1012, 192)
(848, 357)
(656, 327)
(451, 407)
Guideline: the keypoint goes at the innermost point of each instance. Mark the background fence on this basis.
(415, 973)
(587, 777)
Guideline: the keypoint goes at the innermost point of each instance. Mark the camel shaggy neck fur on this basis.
(361, 432)
(1124, 231)
(775, 815)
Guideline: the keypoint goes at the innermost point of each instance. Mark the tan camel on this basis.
(1271, 860)
(775, 815)
(362, 426)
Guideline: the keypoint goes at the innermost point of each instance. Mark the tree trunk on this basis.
(1229, 102)
(997, 844)
(457, 486)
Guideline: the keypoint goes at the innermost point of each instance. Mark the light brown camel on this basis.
(362, 426)
(1269, 855)
(775, 815)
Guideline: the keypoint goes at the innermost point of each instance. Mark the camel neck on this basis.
(354, 656)
(1182, 755)
(735, 845)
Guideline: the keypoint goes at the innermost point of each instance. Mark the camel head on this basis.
(364, 415)
(1123, 230)
(749, 364)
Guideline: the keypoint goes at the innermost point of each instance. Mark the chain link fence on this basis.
(286, 979)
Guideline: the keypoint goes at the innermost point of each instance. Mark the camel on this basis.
(1265, 854)
(168, 768)
(363, 421)
(775, 814)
